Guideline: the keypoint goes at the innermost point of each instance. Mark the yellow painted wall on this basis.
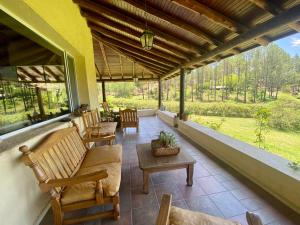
(60, 22)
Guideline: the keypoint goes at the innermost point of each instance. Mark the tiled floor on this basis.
(217, 189)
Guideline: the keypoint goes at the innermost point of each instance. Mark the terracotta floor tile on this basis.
(180, 203)
(210, 185)
(203, 204)
(228, 204)
(253, 204)
(191, 191)
(168, 188)
(140, 200)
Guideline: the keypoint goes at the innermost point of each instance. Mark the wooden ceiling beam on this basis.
(282, 19)
(135, 44)
(36, 70)
(137, 22)
(212, 15)
(179, 22)
(121, 66)
(150, 67)
(53, 74)
(104, 57)
(128, 80)
(26, 73)
(145, 60)
(219, 18)
(134, 50)
(98, 71)
(110, 24)
(274, 9)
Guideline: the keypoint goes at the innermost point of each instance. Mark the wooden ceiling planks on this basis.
(188, 33)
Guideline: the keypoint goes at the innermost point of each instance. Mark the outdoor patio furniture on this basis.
(129, 118)
(76, 177)
(171, 215)
(150, 164)
(97, 131)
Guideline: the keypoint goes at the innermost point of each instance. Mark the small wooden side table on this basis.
(150, 164)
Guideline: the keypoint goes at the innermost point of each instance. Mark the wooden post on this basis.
(103, 92)
(181, 99)
(159, 94)
(40, 100)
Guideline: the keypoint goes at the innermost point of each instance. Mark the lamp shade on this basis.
(147, 39)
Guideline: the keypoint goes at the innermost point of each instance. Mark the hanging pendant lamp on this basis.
(147, 36)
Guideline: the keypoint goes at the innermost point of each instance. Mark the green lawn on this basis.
(285, 144)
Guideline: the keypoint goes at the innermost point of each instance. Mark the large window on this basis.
(32, 82)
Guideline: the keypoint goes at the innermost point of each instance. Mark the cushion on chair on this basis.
(86, 191)
(102, 155)
(180, 216)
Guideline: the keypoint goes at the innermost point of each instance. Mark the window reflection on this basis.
(32, 82)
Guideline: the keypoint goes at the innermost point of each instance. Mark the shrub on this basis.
(285, 115)
(262, 118)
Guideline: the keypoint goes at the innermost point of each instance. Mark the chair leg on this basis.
(57, 212)
(116, 204)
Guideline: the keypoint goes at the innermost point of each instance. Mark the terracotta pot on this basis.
(185, 117)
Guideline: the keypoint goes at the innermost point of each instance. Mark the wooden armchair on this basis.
(169, 214)
(75, 177)
(97, 131)
(129, 118)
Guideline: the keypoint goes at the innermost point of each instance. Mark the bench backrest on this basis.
(128, 116)
(59, 155)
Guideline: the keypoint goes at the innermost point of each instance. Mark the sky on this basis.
(290, 44)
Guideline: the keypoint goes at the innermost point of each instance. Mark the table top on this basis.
(148, 161)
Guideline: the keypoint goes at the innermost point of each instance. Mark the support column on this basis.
(181, 99)
(40, 100)
(159, 94)
(103, 92)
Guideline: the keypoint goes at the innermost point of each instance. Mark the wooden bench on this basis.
(76, 177)
(169, 214)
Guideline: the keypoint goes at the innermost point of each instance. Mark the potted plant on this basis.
(165, 145)
(185, 115)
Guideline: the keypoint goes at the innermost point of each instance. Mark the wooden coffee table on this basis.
(150, 164)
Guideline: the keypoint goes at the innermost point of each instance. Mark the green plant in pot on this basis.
(185, 115)
(165, 145)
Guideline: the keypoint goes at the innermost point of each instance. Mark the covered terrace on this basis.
(103, 37)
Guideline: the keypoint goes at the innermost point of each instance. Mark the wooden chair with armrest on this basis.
(75, 177)
(97, 131)
(129, 118)
(169, 214)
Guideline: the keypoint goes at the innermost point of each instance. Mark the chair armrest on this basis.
(164, 211)
(96, 176)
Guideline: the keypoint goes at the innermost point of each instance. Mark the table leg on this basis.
(145, 182)
(189, 174)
